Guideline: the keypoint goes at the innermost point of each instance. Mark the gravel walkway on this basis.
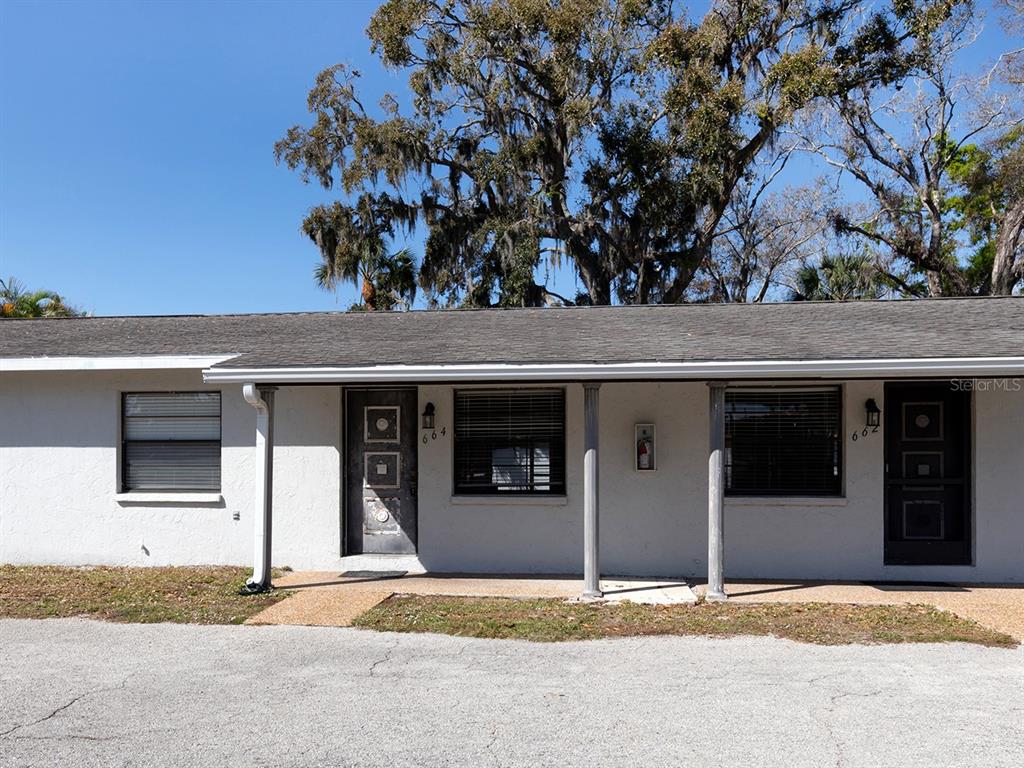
(1000, 608)
(327, 599)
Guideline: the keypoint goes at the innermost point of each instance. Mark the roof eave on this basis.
(112, 363)
(703, 370)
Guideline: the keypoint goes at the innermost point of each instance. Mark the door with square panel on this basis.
(927, 463)
(380, 444)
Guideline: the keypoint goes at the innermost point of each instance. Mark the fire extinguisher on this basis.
(643, 453)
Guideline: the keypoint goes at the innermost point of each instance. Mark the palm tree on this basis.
(17, 301)
(387, 280)
(845, 277)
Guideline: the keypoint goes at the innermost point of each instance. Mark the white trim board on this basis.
(121, 363)
(747, 369)
(168, 497)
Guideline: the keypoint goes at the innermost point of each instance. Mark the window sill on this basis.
(169, 497)
(916, 568)
(786, 501)
(509, 501)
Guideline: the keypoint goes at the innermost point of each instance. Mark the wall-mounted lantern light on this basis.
(428, 416)
(872, 412)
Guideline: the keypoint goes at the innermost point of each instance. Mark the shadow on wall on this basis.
(83, 410)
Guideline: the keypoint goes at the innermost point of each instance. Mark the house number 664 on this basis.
(433, 435)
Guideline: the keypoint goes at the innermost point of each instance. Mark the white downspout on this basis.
(262, 399)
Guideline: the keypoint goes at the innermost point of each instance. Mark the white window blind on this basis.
(510, 441)
(171, 441)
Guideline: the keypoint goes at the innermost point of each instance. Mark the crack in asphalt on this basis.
(844, 694)
(53, 714)
(837, 745)
(10, 731)
(383, 659)
(826, 720)
(489, 747)
(473, 663)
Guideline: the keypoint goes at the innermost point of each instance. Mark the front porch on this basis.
(373, 504)
(675, 518)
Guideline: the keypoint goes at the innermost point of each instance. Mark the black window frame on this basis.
(831, 459)
(462, 447)
(123, 486)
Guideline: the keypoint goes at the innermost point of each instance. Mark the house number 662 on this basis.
(863, 433)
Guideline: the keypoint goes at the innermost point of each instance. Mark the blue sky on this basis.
(136, 164)
(136, 150)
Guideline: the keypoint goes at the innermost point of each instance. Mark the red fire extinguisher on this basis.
(643, 453)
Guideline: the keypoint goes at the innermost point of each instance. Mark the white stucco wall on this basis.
(647, 521)
(656, 523)
(847, 541)
(999, 482)
(818, 538)
(483, 534)
(58, 472)
(59, 446)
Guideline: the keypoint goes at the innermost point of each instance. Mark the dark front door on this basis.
(927, 461)
(381, 471)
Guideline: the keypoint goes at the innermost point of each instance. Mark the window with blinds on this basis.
(783, 442)
(510, 441)
(170, 441)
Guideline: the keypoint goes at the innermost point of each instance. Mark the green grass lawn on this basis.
(552, 620)
(194, 595)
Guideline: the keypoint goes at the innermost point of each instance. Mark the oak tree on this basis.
(612, 136)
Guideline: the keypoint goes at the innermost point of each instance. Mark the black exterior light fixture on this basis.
(428, 416)
(872, 412)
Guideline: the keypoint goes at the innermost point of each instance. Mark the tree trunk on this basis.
(369, 294)
(934, 247)
(687, 271)
(1009, 241)
(600, 289)
(595, 277)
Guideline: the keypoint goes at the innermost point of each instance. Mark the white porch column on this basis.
(716, 492)
(591, 566)
(262, 399)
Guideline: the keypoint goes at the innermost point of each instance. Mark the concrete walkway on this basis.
(1000, 608)
(329, 599)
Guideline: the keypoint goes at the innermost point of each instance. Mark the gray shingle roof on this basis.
(982, 327)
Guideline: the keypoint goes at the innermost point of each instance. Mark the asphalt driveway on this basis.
(75, 693)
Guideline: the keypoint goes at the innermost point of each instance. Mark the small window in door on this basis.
(382, 423)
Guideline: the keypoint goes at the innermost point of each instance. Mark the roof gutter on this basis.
(962, 367)
(110, 363)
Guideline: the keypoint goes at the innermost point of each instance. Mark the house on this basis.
(859, 441)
